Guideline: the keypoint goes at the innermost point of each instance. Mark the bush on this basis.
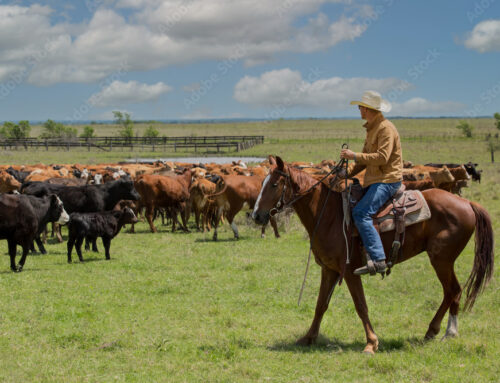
(16, 131)
(466, 128)
(88, 132)
(54, 129)
(151, 132)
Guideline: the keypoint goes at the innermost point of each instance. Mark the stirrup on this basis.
(371, 267)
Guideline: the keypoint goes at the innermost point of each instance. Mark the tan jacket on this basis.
(382, 156)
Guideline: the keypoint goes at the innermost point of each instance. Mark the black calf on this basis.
(93, 225)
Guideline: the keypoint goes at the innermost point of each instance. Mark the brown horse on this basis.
(443, 236)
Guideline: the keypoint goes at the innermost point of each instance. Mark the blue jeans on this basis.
(375, 197)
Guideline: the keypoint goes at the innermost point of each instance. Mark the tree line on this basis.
(52, 129)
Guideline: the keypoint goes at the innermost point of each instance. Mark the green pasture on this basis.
(177, 307)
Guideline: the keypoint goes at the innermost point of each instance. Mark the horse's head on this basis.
(272, 193)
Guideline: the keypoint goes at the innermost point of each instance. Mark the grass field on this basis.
(181, 308)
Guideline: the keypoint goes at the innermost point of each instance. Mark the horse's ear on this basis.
(280, 163)
(272, 160)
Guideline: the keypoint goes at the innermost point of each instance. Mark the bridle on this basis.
(281, 205)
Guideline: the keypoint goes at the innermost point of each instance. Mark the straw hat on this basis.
(373, 100)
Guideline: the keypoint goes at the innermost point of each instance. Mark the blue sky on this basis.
(192, 59)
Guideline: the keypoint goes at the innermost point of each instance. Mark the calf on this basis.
(23, 217)
(93, 225)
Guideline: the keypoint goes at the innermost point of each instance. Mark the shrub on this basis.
(151, 132)
(466, 128)
(54, 129)
(88, 132)
(16, 131)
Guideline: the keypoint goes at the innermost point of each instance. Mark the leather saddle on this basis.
(405, 208)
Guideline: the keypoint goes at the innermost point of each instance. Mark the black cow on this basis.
(87, 198)
(18, 174)
(23, 217)
(93, 225)
(473, 172)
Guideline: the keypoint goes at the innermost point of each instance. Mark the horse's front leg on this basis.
(358, 296)
(329, 279)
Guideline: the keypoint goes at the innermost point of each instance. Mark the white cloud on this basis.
(485, 37)
(287, 88)
(120, 93)
(418, 106)
(161, 33)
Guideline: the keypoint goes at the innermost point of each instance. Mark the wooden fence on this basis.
(214, 144)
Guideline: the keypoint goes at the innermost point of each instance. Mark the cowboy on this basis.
(383, 161)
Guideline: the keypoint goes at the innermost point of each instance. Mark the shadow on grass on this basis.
(207, 240)
(324, 344)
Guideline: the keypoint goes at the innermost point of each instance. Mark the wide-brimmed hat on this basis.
(373, 100)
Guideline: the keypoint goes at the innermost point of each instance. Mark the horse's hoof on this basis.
(368, 352)
(306, 341)
(429, 336)
(448, 336)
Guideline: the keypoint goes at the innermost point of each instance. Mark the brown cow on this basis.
(8, 183)
(201, 204)
(171, 193)
(237, 191)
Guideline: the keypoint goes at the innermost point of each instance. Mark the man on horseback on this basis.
(382, 158)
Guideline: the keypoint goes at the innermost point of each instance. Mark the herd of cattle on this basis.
(97, 201)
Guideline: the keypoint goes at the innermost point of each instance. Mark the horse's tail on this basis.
(482, 270)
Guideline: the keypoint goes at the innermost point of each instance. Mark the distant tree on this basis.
(88, 132)
(466, 128)
(24, 129)
(497, 120)
(54, 129)
(123, 119)
(16, 131)
(151, 132)
(493, 145)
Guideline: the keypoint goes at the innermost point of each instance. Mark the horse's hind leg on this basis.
(328, 280)
(452, 328)
(451, 300)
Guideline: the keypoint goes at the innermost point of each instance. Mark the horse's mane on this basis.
(303, 180)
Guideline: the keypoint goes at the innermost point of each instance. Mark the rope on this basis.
(310, 246)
